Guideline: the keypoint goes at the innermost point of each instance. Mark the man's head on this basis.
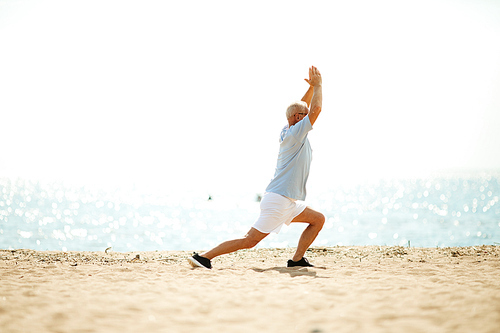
(296, 112)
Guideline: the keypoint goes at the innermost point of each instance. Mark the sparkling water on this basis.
(435, 211)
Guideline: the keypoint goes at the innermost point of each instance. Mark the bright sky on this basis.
(193, 93)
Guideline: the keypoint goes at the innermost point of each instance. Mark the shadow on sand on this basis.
(293, 271)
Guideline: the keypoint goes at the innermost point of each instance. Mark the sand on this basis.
(351, 289)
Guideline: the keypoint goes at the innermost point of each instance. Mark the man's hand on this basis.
(309, 80)
(312, 81)
(317, 98)
(314, 77)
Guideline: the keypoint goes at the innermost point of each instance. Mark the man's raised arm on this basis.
(308, 95)
(317, 96)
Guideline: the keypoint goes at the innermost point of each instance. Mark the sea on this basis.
(436, 211)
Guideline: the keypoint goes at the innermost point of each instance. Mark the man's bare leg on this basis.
(316, 221)
(252, 238)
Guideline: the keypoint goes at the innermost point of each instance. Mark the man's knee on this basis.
(250, 242)
(252, 238)
(320, 220)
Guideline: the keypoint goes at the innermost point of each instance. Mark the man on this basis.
(283, 201)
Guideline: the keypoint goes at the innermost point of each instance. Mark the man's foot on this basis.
(301, 263)
(198, 261)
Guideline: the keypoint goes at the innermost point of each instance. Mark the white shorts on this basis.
(276, 210)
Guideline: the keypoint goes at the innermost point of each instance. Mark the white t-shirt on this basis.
(294, 161)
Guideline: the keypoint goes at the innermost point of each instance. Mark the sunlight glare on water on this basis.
(441, 211)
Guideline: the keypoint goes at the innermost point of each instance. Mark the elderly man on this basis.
(283, 200)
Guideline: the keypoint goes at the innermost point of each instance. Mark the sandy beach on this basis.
(351, 289)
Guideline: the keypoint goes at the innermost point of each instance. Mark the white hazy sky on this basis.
(193, 93)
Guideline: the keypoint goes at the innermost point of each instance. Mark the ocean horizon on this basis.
(437, 211)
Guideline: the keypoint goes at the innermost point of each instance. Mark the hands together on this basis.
(314, 77)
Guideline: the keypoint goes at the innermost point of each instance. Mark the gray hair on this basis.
(294, 108)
